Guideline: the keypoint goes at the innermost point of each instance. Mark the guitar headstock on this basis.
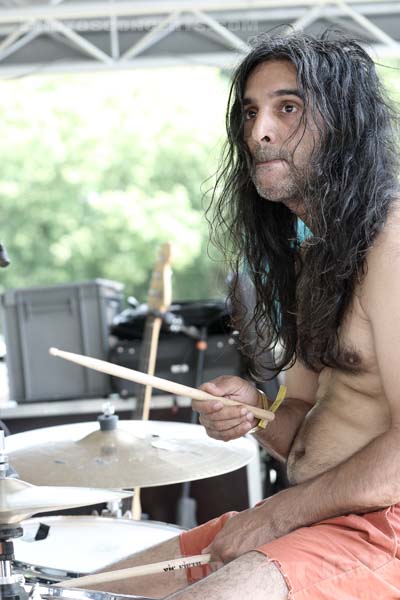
(160, 292)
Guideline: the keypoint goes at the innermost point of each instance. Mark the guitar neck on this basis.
(147, 364)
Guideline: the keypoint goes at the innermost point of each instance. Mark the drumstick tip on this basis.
(53, 351)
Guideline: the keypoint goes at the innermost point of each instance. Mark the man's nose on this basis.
(264, 128)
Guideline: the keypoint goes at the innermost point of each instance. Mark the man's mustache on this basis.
(261, 155)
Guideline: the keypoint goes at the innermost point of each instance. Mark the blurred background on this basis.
(97, 170)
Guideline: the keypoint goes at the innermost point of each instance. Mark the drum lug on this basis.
(34, 594)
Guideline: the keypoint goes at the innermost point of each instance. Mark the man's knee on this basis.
(251, 576)
(264, 575)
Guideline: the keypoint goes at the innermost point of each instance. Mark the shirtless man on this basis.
(312, 138)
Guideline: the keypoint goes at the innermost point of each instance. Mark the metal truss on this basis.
(71, 35)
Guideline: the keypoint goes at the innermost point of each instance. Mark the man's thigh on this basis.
(346, 557)
(249, 577)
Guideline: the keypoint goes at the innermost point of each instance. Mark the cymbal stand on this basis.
(11, 587)
(108, 421)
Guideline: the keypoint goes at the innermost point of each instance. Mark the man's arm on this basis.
(227, 423)
(370, 478)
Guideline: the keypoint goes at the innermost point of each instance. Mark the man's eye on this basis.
(249, 114)
(289, 108)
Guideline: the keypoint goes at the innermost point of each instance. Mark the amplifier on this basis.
(176, 360)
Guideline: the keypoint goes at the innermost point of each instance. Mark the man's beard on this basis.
(286, 190)
(290, 188)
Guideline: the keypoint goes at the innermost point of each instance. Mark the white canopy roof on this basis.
(77, 35)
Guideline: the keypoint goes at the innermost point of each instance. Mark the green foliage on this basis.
(97, 170)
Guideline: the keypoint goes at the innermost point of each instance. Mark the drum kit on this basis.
(85, 464)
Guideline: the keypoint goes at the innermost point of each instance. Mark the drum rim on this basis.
(79, 593)
(38, 572)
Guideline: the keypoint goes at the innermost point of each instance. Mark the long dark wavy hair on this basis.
(303, 290)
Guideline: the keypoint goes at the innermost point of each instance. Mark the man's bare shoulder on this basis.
(383, 259)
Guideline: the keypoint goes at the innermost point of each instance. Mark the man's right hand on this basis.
(227, 422)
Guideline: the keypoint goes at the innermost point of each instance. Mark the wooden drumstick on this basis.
(149, 569)
(157, 382)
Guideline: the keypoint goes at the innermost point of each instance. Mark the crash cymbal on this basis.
(135, 454)
(20, 500)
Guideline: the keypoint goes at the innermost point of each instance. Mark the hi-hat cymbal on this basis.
(20, 500)
(136, 454)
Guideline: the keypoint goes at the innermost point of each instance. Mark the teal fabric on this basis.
(302, 231)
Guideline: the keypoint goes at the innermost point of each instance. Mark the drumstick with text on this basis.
(156, 382)
(149, 569)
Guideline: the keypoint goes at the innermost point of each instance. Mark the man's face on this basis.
(278, 140)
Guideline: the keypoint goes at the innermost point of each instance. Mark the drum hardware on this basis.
(19, 500)
(41, 592)
(108, 421)
(114, 510)
(11, 587)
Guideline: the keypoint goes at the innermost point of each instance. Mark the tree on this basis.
(97, 170)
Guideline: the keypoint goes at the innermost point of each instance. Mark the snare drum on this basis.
(78, 546)
(48, 593)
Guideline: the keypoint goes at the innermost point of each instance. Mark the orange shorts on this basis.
(354, 557)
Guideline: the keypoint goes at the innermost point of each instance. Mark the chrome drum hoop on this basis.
(50, 592)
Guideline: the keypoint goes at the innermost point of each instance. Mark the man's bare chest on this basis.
(350, 409)
(356, 339)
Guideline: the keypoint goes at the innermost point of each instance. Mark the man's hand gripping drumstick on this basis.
(228, 422)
